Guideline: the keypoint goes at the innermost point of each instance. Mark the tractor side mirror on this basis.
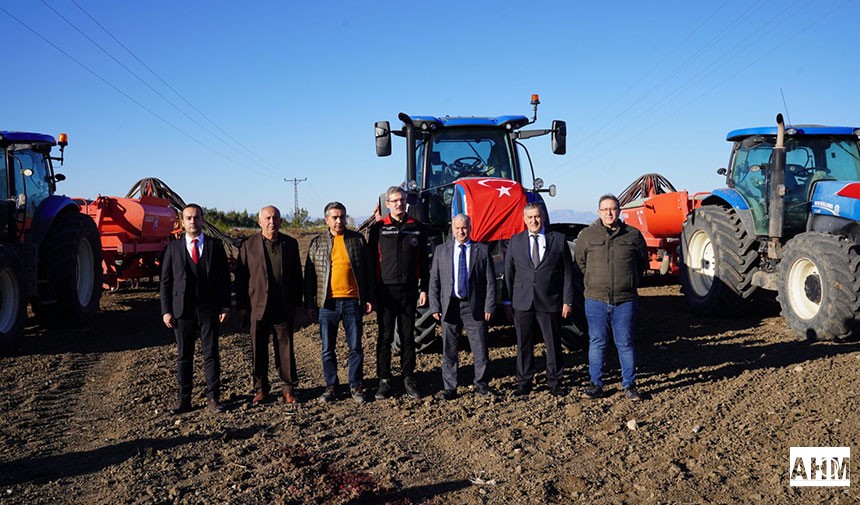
(383, 138)
(59, 177)
(559, 137)
(722, 171)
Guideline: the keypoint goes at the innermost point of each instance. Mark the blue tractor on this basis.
(50, 253)
(786, 222)
(467, 165)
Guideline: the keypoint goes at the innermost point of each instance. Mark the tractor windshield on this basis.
(447, 155)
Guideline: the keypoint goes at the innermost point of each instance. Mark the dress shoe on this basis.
(558, 391)
(448, 395)
(633, 394)
(484, 391)
(180, 407)
(289, 396)
(384, 389)
(215, 407)
(259, 397)
(411, 388)
(523, 390)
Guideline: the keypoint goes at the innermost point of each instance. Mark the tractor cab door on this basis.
(750, 174)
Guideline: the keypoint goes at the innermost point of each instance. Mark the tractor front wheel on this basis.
(819, 286)
(13, 305)
(70, 261)
(425, 331)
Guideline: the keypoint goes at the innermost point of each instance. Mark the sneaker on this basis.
(330, 394)
(411, 388)
(384, 389)
(633, 394)
(593, 392)
(357, 394)
(447, 395)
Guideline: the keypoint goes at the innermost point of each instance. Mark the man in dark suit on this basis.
(195, 299)
(269, 286)
(463, 295)
(539, 280)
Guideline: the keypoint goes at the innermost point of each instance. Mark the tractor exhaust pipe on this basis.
(409, 130)
(776, 207)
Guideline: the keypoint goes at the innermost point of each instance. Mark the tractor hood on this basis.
(837, 198)
(494, 205)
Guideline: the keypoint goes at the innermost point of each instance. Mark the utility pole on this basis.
(296, 192)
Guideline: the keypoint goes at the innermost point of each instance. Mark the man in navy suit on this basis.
(195, 299)
(463, 295)
(539, 280)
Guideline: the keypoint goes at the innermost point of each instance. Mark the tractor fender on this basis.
(49, 209)
(731, 198)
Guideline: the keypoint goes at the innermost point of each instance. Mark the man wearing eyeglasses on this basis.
(402, 277)
(612, 256)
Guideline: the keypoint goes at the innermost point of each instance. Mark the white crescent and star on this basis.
(503, 190)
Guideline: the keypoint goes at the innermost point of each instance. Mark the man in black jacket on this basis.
(398, 244)
(612, 256)
(195, 299)
(539, 280)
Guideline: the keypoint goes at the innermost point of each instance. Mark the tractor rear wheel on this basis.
(13, 304)
(425, 331)
(819, 286)
(719, 257)
(70, 260)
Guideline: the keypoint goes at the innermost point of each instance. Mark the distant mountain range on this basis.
(571, 216)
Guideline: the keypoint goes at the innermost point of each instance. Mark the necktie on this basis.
(462, 275)
(195, 254)
(535, 251)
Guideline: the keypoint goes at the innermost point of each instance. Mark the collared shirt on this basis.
(189, 246)
(457, 253)
(541, 238)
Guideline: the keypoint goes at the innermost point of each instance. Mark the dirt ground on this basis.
(83, 419)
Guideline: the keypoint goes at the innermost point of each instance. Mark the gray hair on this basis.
(334, 205)
(532, 205)
(394, 189)
(462, 217)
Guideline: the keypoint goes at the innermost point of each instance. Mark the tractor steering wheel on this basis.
(467, 165)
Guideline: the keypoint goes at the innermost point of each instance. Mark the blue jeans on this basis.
(621, 318)
(349, 311)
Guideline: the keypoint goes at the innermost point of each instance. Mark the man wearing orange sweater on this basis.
(339, 286)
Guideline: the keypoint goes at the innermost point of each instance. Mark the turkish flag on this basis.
(494, 205)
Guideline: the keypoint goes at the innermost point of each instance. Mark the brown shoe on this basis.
(215, 407)
(181, 407)
(290, 396)
(259, 397)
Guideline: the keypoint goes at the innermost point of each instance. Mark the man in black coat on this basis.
(195, 299)
(539, 281)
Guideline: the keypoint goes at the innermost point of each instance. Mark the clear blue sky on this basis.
(643, 86)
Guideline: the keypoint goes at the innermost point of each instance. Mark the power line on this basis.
(177, 93)
(136, 76)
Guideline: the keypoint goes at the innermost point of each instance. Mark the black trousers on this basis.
(203, 324)
(397, 302)
(526, 322)
(280, 332)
